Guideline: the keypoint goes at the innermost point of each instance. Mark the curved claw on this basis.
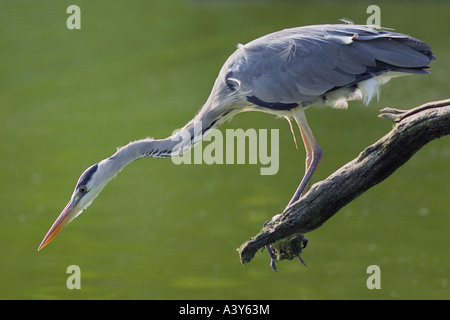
(301, 260)
(304, 242)
(273, 257)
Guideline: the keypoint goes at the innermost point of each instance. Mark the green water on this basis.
(68, 98)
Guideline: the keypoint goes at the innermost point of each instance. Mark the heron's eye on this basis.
(82, 189)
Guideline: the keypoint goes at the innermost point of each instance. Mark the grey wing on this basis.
(302, 64)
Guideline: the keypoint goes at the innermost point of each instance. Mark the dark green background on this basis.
(68, 98)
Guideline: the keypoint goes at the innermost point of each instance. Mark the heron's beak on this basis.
(64, 218)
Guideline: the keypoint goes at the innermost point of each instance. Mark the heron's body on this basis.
(325, 64)
(281, 73)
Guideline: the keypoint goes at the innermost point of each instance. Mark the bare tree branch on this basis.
(413, 129)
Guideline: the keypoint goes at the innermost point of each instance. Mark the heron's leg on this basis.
(313, 153)
(313, 157)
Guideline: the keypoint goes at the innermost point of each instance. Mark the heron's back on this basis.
(323, 63)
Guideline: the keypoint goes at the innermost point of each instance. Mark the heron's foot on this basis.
(304, 243)
(272, 254)
(273, 257)
(287, 249)
(301, 260)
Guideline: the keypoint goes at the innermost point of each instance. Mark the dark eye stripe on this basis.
(87, 175)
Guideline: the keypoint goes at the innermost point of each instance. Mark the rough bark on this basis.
(413, 129)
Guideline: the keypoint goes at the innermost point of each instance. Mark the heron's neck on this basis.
(175, 145)
(156, 148)
(211, 115)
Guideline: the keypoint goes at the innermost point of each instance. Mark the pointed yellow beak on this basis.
(64, 218)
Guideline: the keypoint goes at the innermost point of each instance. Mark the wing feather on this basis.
(302, 64)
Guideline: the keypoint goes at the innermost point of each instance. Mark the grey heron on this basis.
(281, 73)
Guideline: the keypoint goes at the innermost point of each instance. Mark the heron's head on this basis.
(89, 185)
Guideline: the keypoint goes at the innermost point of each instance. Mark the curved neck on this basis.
(217, 109)
(175, 145)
